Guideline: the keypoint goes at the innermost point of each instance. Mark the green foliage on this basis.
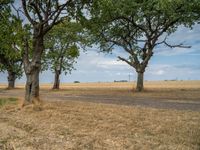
(115, 16)
(62, 45)
(4, 2)
(137, 25)
(10, 53)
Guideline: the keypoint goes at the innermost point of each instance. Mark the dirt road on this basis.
(130, 100)
(125, 100)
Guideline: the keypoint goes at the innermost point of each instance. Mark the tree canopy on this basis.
(42, 17)
(10, 54)
(138, 26)
(62, 45)
(62, 48)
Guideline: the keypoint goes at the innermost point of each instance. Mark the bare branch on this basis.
(17, 10)
(48, 9)
(56, 15)
(162, 41)
(179, 45)
(131, 63)
(24, 5)
(125, 60)
(37, 10)
(41, 8)
(172, 46)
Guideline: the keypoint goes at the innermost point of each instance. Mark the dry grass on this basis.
(83, 125)
(124, 85)
(78, 125)
(172, 90)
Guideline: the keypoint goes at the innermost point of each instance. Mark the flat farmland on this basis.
(161, 94)
(104, 116)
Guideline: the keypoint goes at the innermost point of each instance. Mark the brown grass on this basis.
(78, 125)
(123, 85)
(171, 90)
(83, 125)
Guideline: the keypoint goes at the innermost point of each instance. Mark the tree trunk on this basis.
(11, 79)
(140, 79)
(32, 86)
(56, 84)
(32, 70)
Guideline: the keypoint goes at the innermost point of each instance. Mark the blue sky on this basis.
(166, 64)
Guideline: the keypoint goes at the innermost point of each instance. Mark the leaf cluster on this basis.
(10, 53)
(137, 25)
(62, 46)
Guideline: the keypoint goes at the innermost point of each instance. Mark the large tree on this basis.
(42, 16)
(139, 26)
(10, 56)
(62, 49)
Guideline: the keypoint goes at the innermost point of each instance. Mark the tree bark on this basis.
(56, 84)
(32, 86)
(140, 80)
(11, 79)
(32, 70)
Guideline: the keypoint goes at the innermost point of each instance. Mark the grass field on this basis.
(173, 90)
(90, 126)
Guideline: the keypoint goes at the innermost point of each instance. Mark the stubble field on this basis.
(104, 116)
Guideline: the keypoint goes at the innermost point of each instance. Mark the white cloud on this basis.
(166, 71)
(108, 64)
(164, 51)
(182, 35)
(160, 72)
(93, 66)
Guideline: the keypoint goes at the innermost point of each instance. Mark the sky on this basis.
(166, 64)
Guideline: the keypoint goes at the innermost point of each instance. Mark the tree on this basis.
(42, 16)
(10, 57)
(13, 68)
(138, 26)
(62, 49)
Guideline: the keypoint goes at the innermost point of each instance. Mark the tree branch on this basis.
(172, 46)
(179, 45)
(24, 5)
(17, 10)
(26, 52)
(128, 62)
(56, 13)
(167, 25)
(37, 10)
(131, 21)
